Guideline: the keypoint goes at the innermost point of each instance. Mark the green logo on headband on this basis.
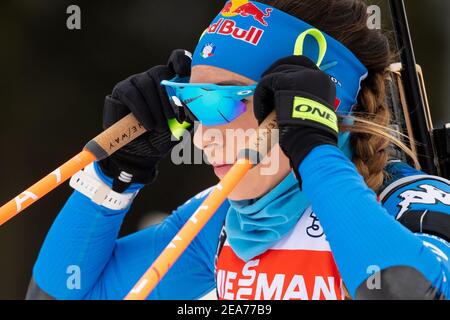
(321, 41)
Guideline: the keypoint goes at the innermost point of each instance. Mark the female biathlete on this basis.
(340, 218)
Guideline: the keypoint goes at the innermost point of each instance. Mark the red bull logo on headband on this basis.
(226, 27)
(245, 8)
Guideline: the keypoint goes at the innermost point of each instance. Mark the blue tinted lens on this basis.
(232, 109)
(211, 104)
(213, 109)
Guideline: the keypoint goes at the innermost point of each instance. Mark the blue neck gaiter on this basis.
(253, 226)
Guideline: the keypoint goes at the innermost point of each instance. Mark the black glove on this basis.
(303, 97)
(143, 95)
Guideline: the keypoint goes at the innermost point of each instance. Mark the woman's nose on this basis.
(198, 137)
(207, 138)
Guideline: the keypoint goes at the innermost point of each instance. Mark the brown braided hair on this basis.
(346, 21)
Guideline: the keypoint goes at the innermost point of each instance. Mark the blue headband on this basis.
(247, 37)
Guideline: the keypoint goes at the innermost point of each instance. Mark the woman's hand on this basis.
(303, 97)
(143, 95)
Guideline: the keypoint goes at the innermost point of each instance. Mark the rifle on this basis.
(412, 115)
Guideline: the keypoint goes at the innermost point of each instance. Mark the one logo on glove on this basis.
(311, 110)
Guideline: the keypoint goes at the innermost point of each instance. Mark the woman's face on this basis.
(222, 152)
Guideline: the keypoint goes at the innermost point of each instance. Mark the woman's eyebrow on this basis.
(231, 83)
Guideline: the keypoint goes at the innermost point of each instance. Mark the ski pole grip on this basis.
(115, 137)
(259, 145)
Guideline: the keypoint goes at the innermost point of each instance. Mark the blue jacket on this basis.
(405, 236)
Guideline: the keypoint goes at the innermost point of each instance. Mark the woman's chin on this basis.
(254, 185)
(259, 180)
(243, 193)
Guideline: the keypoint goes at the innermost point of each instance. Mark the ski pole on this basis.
(102, 146)
(257, 148)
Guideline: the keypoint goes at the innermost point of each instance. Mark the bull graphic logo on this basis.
(245, 9)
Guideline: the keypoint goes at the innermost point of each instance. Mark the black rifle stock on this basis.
(414, 95)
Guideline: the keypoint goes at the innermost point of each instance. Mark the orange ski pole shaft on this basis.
(257, 148)
(102, 146)
(44, 186)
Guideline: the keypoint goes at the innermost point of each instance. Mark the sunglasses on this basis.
(210, 104)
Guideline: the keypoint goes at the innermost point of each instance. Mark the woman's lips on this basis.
(222, 170)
